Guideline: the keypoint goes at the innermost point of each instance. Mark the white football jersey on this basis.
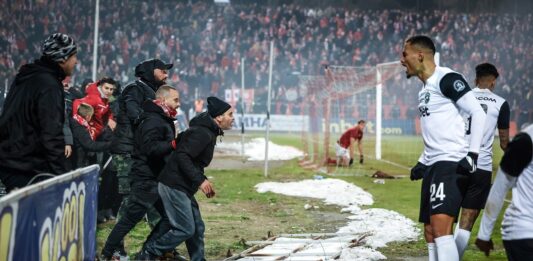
(441, 122)
(498, 116)
(518, 219)
(516, 172)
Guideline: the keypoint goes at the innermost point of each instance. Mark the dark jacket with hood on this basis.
(194, 151)
(31, 125)
(130, 102)
(153, 138)
(83, 144)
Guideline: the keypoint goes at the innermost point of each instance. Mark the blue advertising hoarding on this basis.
(51, 220)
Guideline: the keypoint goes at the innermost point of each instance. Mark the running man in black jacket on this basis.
(31, 125)
(154, 141)
(182, 176)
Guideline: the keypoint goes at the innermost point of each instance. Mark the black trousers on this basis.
(519, 250)
(143, 195)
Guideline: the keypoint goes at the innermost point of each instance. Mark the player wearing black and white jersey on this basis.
(516, 172)
(498, 116)
(443, 95)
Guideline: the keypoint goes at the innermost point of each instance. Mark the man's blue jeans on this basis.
(186, 225)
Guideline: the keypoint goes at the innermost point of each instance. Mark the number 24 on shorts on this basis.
(437, 193)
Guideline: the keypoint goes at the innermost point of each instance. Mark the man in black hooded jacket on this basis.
(154, 141)
(31, 125)
(152, 74)
(182, 176)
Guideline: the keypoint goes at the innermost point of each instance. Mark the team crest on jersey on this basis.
(426, 97)
(459, 85)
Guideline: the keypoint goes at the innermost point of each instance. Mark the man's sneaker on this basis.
(145, 256)
(120, 256)
(173, 256)
(100, 217)
(108, 214)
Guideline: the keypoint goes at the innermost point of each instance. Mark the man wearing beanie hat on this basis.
(31, 126)
(151, 74)
(181, 178)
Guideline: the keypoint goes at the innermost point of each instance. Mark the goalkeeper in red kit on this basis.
(345, 146)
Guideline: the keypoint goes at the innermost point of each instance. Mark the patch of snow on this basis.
(361, 254)
(255, 150)
(332, 191)
(380, 225)
(383, 225)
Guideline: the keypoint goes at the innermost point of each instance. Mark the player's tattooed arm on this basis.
(504, 118)
(504, 138)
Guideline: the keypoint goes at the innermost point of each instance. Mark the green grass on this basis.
(238, 213)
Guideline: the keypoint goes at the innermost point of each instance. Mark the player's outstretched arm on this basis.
(502, 184)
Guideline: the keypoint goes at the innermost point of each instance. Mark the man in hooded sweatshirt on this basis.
(31, 126)
(182, 176)
(152, 74)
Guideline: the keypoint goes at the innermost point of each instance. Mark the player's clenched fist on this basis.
(417, 172)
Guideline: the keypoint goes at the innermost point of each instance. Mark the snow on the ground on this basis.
(255, 150)
(333, 191)
(382, 226)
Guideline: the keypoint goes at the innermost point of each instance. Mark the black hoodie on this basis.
(31, 125)
(130, 102)
(153, 138)
(194, 151)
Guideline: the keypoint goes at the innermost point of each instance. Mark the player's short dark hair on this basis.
(422, 41)
(361, 121)
(486, 69)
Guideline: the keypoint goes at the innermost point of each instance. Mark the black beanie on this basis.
(216, 106)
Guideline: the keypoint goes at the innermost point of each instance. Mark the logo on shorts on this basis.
(459, 85)
(436, 206)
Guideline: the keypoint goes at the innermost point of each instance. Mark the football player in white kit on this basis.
(498, 116)
(443, 95)
(516, 172)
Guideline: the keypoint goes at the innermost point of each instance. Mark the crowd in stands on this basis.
(206, 42)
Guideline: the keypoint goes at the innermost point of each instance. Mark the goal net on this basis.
(343, 95)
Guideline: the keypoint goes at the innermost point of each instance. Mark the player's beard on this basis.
(407, 75)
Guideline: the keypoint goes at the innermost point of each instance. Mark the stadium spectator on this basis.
(154, 141)
(516, 171)
(444, 96)
(345, 146)
(31, 125)
(98, 95)
(498, 116)
(196, 109)
(84, 135)
(181, 178)
(208, 57)
(152, 74)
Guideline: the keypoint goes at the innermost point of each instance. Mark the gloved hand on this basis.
(361, 159)
(469, 163)
(417, 172)
(485, 246)
(351, 162)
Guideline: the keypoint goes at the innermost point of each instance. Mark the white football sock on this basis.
(446, 248)
(432, 252)
(461, 237)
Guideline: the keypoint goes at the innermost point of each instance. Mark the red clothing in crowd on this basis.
(354, 132)
(102, 112)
